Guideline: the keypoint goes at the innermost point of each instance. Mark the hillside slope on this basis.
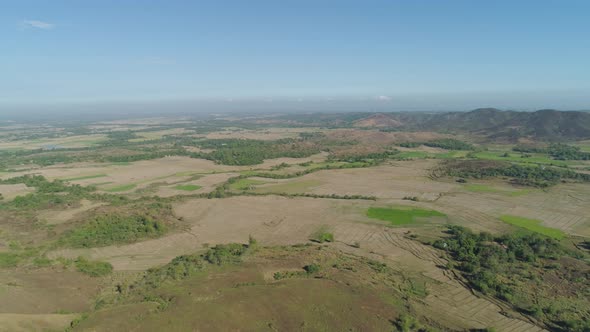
(547, 125)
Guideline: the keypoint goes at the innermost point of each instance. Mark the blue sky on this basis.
(301, 53)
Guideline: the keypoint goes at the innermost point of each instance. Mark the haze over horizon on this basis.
(182, 56)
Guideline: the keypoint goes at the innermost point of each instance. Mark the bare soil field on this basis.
(10, 191)
(151, 135)
(55, 217)
(268, 134)
(394, 181)
(50, 143)
(140, 174)
(207, 183)
(565, 207)
(274, 221)
(35, 322)
(46, 291)
(368, 137)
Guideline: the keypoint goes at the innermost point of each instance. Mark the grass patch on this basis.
(113, 229)
(402, 216)
(188, 187)
(482, 188)
(322, 235)
(533, 225)
(9, 259)
(411, 154)
(245, 184)
(124, 187)
(86, 177)
(534, 158)
(93, 268)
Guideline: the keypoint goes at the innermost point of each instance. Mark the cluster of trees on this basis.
(93, 268)
(185, 266)
(109, 229)
(538, 176)
(48, 193)
(567, 152)
(252, 152)
(558, 151)
(369, 159)
(449, 144)
(505, 267)
(45, 186)
(147, 154)
(529, 149)
(443, 143)
(225, 253)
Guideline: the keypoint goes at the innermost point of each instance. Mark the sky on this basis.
(294, 55)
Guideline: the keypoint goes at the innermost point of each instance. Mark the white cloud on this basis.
(383, 98)
(37, 24)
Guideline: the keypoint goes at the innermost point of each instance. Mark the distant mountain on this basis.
(546, 125)
(378, 120)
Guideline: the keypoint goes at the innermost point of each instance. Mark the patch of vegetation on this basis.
(567, 152)
(519, 269)
(401, 216)
(410, 145)
(407, 323)
(252, 152)
(225, 253)
(95, 176)
(188, 187)
(538, 176)
(312, 268)
(449, 144)
(533, 225)
(482, 188)
(93, 268)
(9, 259)
(185, 266)
(45, 186)
(244, 184)
(179, 268)
(322, 235)
(442, 143)
(111, 229)
(42, 261)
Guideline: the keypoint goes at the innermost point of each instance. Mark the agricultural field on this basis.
(291, 223)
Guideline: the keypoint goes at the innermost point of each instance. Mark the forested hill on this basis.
(542, 125)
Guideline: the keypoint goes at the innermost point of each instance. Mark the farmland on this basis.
(151, 219)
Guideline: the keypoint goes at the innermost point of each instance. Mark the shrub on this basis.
(312, 268)
(225, 253)
(9, 259)
(323, 236)
(93, 268)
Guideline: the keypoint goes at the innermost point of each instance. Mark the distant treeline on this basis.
(443, 143)
(557, 151)
(537, 176)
